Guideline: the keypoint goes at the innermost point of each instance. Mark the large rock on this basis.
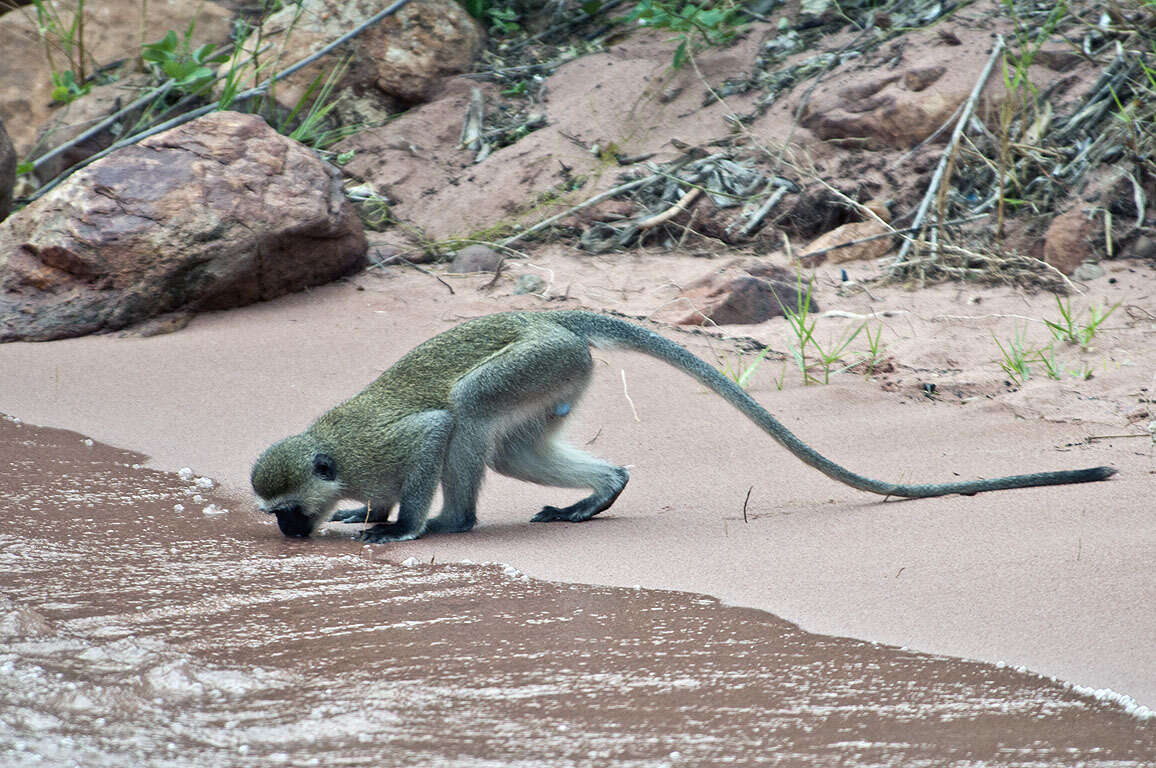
(112, 30)
(887, 110)
(405, 56)
(7, 171)
(217, 213)
(886, 106)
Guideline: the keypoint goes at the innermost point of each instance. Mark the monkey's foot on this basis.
(387, 532)
(575, 513)
(587, 507)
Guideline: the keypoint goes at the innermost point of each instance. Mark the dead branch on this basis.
(592, 201)
(683, 203)
(949, 151)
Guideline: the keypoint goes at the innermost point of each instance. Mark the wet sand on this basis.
(146, 623)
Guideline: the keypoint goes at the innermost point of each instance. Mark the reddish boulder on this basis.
(405, 56)
(217, 213)
(881, 107)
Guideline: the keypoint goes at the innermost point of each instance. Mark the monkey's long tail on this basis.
(608, 331)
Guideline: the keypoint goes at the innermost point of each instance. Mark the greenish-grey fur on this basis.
(492, 392)
(370, 429)
(371, 426)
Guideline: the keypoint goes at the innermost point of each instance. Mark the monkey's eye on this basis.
(325, 467)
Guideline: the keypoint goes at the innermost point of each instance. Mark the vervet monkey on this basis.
(493, 392)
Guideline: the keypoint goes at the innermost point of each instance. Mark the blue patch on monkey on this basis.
(561, 409)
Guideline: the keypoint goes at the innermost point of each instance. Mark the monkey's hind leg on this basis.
(508, 402)
(550, 462)
(587, 507)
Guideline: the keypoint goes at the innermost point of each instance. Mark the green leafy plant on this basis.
(801, 324)
(475, 8)
(67, 38)
(375, 211)
(698, 25)
(741, 372)
(1065, 329)
(1015, 357)
(1047, 358)
(1084, 372)
(175, 58)
(779, 382)
(503, 20)
(1021, 95)
(1069, 329)
(828, 357)
(516, 89)
(235, 74)
(876, 349)
(313, 130)
(65, 88)
(822, 357)
(1096, 319)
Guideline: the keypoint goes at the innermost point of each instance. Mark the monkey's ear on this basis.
(325, 467)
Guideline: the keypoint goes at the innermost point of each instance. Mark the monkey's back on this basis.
(423, 378)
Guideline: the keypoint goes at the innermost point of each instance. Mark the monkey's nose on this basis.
(292, 522)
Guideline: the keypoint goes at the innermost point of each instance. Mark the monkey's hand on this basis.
(359, 515)
(387, 532)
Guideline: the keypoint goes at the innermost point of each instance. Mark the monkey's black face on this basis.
(293, 522)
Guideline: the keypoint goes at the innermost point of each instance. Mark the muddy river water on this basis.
(145, 621)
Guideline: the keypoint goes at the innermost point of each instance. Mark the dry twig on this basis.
(949, 152)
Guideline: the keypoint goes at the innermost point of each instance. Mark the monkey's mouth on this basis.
(293, 522)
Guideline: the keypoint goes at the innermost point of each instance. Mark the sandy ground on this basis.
(1060, 580)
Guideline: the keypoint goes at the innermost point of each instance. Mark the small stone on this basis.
(529, 283)
(475, 258)
(1145, 248)
(1088, 270)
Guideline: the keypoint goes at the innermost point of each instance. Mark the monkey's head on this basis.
(296, 480)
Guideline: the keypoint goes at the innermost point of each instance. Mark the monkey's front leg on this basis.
(431, 434)
(411, 518)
